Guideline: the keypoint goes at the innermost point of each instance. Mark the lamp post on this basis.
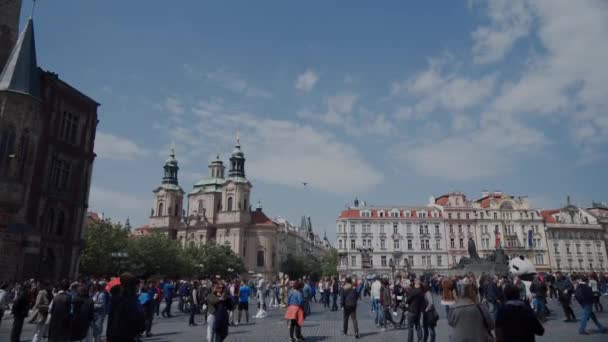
(119, 258)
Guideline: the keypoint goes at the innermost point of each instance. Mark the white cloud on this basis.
(104, 199)
(110, 146)
(236, 84)
(173, 106)
(307, 80)
(432, 90)
(279, 151)
(510, 20)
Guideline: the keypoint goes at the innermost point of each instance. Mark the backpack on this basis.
(350, 298)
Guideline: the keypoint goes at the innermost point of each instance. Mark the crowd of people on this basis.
(124, 308)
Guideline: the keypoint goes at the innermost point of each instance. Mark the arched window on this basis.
(7, 149)
(201, 206)
(160, 209)
(260, 258)
(50, 221)
(229, 204)
(60, 223)
(24, 146)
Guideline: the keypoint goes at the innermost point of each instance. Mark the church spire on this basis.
(20, 73)
(10, 11)
(171, 168)
(237, 160)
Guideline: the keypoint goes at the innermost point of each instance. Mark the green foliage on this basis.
(212, 259)
(102, 239)
(156, 254)
(311, 266)
(152, 254)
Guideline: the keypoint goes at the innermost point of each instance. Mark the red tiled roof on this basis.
(484, 202)
(93, 217)
(258, 217)
(442, 200)
(355, 213)
(349, 213)
(548, 215)
(143, 230)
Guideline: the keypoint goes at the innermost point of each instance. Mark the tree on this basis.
(329, 262)
(155, 254)
(212, 259)
(101, 240)
(298, 266)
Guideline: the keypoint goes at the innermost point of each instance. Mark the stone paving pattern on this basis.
(325, 325)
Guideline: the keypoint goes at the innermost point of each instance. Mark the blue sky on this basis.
(390, 101)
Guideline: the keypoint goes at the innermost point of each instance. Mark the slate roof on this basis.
(21, 74)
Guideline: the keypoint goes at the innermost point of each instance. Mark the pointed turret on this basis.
(237, 161)
(20, 74)
(171, 169)
(10, 11)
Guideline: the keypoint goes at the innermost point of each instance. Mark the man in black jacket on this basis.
(126, 319)
(20, 311)
(415, 302)
(515, 321)
(564, 294)
(350, 297)
(60, 311)
(584, 295)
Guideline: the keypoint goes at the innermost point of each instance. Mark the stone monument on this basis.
(495, 263)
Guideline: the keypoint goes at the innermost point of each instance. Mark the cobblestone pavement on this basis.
(325, 325)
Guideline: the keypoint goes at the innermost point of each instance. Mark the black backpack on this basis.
(350, 298)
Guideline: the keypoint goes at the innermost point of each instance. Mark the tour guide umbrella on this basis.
(113, 282)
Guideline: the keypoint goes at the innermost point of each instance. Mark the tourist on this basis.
(193, 299)
(515, 321)
(307, 293)
(126, 320)
(3, 300)
(261, 290)
(100, 306)
(334, 289)
(221, 303)
(386, 303)
(148, 304)
(350, 297)
(83, 313)
(41, 311)
(593, 284)
(565, 289)
(415, 302)
(168, 291)
(295, 312)
(244, 292)
(375, 296)
(158, 297)
(584, 296)
(447, 294)
(470, 321)
(20, 311)
(430, 315)
(59, 309)
(491, 295)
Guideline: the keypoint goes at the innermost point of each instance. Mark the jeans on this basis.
(17, 328)
(568, 312)
(352, 314)
(325, 299)
(167, 309)
(587, 314)
(39, 332)
(210, 328)
(428, 329)
(334, 302)
(378, 310)
(414, 323)
(293, 325)
(97, 327)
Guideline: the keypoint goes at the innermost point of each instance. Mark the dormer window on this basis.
(395, 213)
(366, 213)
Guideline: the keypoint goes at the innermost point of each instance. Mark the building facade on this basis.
(576, 240)
(385, 240)
(47, 133)
(219, 211)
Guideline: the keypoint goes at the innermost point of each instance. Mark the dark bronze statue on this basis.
(473, 250)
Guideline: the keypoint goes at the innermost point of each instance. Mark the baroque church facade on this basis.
(219, 210)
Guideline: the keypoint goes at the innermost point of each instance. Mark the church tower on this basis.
(166, 214)
(237, 189)
(9, 27)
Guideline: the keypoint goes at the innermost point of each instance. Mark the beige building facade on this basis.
(218, 210)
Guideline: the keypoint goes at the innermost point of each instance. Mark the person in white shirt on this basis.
(375, 294)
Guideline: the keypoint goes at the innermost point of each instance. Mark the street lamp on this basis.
(119, 258)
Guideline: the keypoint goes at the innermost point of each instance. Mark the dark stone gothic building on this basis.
(47, 133)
